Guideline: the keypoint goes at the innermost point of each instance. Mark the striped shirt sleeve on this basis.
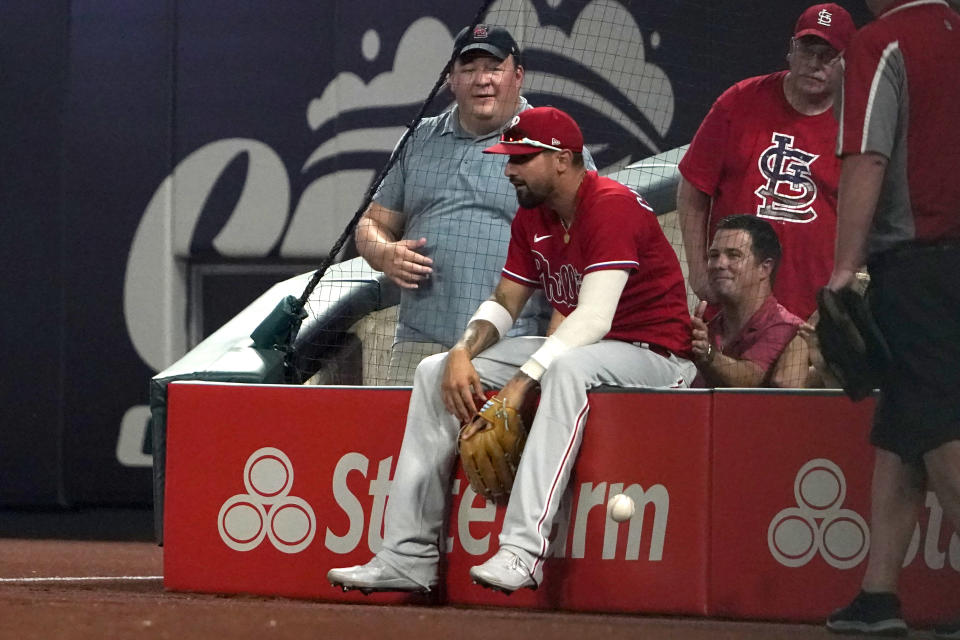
(874, 80)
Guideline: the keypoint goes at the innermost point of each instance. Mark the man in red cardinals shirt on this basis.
(766, 148)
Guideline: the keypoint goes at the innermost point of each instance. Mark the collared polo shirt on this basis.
(456, 197)
(761, 340)
(900, 100)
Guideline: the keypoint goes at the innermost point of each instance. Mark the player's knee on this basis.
(567, 369)
(429, 369)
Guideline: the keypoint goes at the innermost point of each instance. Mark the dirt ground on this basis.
(75, 589)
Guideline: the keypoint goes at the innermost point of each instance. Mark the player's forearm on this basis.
(479, 335)
(599, 297)
(494, 317)
(516, 390)
(861, 179)
(597, 304)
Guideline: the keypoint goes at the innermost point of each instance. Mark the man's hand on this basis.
(404, 265)
(821, 374)
(700, 344)
(513, 395)
(841, 278)
(461, 386)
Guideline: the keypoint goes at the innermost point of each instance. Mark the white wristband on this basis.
(496, 314)
(533, 369)
(543, 357)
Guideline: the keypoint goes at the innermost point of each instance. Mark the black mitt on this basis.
(851, 342)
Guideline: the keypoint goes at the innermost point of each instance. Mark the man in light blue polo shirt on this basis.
(439, 225)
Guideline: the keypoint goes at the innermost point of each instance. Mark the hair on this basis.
(763, 239)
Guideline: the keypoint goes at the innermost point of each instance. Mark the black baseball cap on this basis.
(496, 41)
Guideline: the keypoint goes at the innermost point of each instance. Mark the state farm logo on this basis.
(819, 524)
(267, 510)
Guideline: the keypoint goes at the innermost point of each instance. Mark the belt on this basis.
(657, 349)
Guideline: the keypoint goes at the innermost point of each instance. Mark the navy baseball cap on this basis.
(539, 129)
(496, 41)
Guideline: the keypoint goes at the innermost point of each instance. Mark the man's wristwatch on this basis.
(708, 359)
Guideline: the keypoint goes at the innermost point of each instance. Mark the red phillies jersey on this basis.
(614, 229)
(754, 153)
(901, 99)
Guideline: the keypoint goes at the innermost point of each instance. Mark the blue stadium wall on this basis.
(141, 139)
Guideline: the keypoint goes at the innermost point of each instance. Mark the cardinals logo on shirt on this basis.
(789, 191)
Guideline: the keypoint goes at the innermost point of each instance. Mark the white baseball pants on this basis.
(420, 493)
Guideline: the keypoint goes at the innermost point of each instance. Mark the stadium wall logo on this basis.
(282, 214)
(267, 510)
(934, 556)
(570, 530)
(819, 524)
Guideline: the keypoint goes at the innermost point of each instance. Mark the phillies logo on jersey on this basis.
(562, 286)
(789, 192)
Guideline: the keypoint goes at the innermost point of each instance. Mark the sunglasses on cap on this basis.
(515, 138)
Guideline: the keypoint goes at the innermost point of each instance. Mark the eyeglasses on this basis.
(529, 142)
(824, 54)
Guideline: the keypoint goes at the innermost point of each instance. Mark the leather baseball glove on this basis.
(490, 457)
(850, 341)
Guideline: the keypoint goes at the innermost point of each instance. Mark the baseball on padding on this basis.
(621, 507)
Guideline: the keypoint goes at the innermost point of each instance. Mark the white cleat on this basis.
(505, 572)
(376, 575)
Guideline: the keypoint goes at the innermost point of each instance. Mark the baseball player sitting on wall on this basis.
(740, 344)
(596, 250)
(439, 225)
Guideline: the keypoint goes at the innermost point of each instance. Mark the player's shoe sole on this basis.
(375, 576)
(504, 572)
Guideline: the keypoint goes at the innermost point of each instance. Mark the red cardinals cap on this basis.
(831, 22)
(496, 41)
(539, 129)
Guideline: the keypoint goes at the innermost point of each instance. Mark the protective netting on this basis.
(599, 65)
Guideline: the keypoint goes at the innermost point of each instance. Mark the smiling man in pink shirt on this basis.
(739, 346)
